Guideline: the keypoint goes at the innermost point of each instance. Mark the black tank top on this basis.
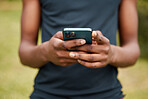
(77, 79)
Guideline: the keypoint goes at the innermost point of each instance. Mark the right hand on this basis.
(56, 50)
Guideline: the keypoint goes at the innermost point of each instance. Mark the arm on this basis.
(29, 52)
(128, 29)
(53, 50)
(103, 53)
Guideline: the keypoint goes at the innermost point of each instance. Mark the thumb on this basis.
(59, 35)
(99, 38)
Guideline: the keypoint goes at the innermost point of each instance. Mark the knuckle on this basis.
(58, 34)
(99, 32)
(55, 44)
(105, 57)
(91, 58)
(102, 54)
(58, 53)
(103, 63)
(61, 60)
(94, 65)
(75, 43)
(108, 41)
(106, 49)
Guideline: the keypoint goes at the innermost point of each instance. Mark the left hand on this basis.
(98, 55)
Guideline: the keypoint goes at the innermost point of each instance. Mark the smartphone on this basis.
(78, 33)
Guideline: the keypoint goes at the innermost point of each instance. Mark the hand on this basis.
(55, 50)
(98, 55)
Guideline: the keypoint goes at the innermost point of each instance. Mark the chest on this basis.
(87, 5)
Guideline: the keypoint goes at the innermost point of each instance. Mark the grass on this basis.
(16, 80)
(134, 80)
(143, 27)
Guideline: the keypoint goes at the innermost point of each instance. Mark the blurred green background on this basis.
(16, 80)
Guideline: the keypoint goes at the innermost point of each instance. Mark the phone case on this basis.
(78, 33)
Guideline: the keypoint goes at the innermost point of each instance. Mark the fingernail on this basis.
(83, 41)
(79, 61)
(72, 54)
(95, 34)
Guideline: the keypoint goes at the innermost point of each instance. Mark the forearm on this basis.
(32, 55)
(125, 56)
(128, 53)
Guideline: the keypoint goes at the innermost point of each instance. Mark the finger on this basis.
(67, 60)
(63, 54)
(94, 34)
(73, 43)
(88, 57)
(92, 64)
(98, 35)
(99, 38)
(59, 35)
(66, 54)
(58, 44)
(93, 48)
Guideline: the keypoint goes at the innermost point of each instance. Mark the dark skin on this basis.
(102, 52)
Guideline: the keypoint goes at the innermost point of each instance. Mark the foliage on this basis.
(16, 81)
(143, 27)
(11, 0)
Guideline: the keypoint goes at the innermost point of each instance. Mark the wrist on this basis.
(43, 52)
(113, 55)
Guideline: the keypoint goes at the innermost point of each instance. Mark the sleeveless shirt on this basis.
(77, 79)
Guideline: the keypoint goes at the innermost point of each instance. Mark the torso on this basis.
(77, 79)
